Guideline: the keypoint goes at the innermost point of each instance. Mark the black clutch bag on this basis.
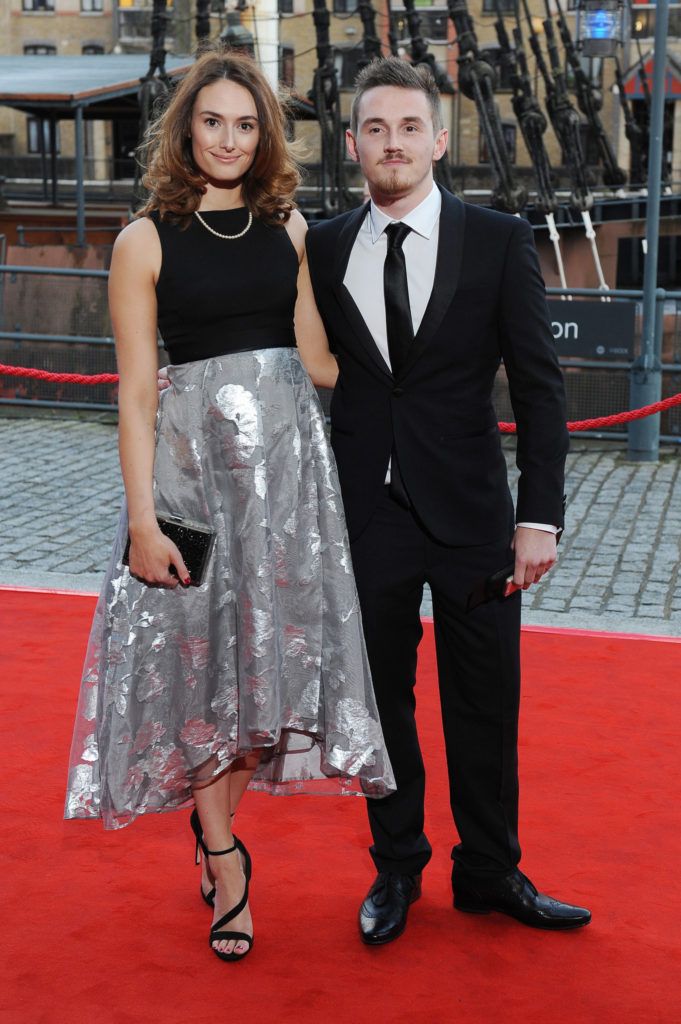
(193, 540)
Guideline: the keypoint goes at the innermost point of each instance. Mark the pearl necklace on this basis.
(217, 233)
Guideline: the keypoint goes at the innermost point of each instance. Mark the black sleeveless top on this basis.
(217, 296)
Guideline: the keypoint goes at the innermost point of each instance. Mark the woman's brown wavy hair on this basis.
(174, 182)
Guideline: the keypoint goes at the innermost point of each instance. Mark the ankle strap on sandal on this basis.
(219, 853)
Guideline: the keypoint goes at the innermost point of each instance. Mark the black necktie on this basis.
(400, 330)
(397, 312)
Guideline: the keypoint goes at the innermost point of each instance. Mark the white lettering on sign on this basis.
(564, 329)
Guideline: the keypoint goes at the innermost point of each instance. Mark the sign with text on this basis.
(593, 330)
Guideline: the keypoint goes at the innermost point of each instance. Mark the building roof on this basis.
(633, 86)
(40, 84)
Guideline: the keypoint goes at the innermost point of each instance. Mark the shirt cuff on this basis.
(546, 527)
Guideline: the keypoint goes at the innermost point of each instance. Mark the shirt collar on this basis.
(422, 219)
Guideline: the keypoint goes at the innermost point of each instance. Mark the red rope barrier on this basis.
(611, 421)
(506, 428)
(59, 378)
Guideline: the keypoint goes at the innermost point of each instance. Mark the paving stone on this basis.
(588, 603)
(624, 587)
(62, 490)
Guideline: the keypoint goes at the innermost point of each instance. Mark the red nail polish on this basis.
(187, 581)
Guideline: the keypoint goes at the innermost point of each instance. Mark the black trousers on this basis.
(479, 679)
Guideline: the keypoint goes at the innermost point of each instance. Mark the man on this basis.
(421, 296)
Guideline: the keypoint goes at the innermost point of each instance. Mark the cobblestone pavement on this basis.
(619, 565)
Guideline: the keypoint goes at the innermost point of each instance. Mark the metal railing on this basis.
(61, 323)
(23, 231)
(601, 387)
(56, 318)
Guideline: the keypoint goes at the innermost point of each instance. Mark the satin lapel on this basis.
(447, 271)
(347, 303)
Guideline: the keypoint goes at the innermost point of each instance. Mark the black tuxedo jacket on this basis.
(488, 303)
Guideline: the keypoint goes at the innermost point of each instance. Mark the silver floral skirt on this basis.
(268, 653)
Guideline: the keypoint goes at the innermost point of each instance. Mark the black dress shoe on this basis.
(383, 915)
(515, 895)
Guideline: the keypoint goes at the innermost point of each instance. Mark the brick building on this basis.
(467, 149)
(66, 27)
(97, 26)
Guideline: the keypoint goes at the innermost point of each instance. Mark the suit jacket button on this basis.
(397, 392)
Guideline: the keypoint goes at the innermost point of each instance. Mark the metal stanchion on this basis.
(646, 371)
(80, 177)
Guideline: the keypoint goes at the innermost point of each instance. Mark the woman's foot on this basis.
(231, 885)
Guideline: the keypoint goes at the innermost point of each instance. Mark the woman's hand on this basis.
(151, 556)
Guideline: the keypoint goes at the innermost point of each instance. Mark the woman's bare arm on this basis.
(311, 338)
(135, 266)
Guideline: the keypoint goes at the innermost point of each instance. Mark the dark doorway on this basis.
(125, 141)
(630, 263)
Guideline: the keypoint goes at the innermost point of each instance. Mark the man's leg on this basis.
(388, 560)
(479, 672)
(478, 655)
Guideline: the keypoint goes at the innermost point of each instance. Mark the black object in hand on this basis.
(500, 584)
(193, 540)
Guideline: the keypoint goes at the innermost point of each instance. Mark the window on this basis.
(37, 5)
(434, 24)
(346, 60)
(506, 6)
(492, 55)
(643, 21)
(92, 6)
(508, 130)
(344, 6)
(88, 49)
(285, 7)
(287, 65)
(33, 135)
(39, 50)
(590, 147)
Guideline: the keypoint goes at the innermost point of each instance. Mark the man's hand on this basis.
(162, 379)
(535, 553)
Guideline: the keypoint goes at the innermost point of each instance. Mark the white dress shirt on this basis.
(364, 273)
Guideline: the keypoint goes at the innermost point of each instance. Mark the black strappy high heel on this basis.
(216, 932)
(195, 823)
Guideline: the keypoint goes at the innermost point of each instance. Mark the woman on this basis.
(258, 677)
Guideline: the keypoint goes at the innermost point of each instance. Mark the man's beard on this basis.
(393, 179)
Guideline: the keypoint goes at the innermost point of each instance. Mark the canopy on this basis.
(103, 86)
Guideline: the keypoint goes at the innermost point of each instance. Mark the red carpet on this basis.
(108, 927)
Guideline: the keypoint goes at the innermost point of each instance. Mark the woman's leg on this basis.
(240, 775)
(212, 801)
